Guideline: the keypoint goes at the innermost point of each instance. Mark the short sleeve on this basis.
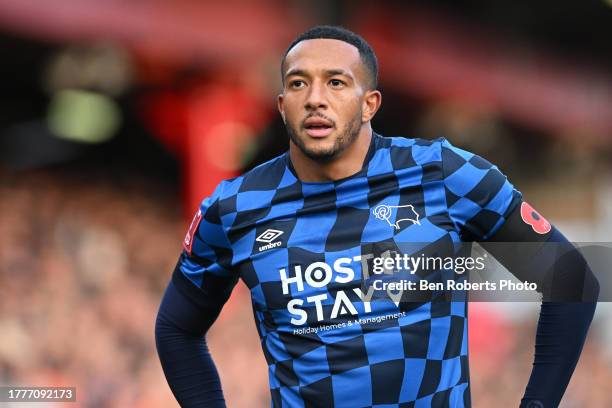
(207, 254)
(479, 196)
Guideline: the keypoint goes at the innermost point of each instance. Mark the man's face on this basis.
(324, 86)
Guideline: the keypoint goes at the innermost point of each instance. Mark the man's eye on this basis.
(336, 82)
(296, 84)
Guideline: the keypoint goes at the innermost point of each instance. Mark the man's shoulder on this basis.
(407, 152)
(265, 177)
(438, 149)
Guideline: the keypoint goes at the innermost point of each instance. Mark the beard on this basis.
(344, 139)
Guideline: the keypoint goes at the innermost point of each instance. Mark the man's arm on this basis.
(180, 328)
(485, 207)
(201, 284)
(544, 256)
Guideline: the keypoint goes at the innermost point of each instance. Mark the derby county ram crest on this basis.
(390, 212)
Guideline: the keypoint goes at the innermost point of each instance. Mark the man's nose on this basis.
(316, 97)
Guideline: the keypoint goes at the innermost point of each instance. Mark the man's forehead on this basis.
(310, 54)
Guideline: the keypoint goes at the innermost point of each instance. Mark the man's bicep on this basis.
(179, 311)
(533, 250)
(204, 288)
(204, 272)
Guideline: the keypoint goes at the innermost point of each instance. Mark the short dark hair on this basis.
(340, 33)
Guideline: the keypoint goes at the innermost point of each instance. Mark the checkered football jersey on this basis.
(302, 248)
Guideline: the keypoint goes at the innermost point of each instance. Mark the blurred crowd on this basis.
(82, 265)
(501, 357)
(84, 260)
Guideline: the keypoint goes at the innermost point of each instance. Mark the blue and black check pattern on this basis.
(416, 354)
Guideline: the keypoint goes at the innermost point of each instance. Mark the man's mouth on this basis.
(318, 127)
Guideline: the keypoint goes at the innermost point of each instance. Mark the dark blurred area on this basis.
(117, 118)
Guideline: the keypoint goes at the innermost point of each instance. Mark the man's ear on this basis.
(281, 108)
(371, 103)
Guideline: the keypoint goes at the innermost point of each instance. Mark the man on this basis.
(303, 232)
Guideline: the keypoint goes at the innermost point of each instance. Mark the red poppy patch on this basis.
(538, 223)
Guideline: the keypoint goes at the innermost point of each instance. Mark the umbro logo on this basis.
(269, 236)
(388, 212)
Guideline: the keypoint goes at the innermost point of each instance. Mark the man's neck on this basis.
(348, 162)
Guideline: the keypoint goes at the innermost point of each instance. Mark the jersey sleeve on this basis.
(206, 259)
(479, 196)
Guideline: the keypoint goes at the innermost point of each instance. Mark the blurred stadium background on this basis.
(118, 117)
